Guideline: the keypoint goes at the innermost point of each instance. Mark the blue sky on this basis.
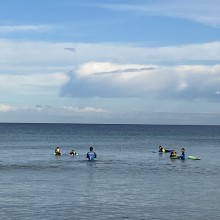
(112, 61)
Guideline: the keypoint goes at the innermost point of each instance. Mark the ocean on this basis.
(128, 180)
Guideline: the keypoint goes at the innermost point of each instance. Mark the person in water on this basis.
(182, 157)
(162, 149)
(72, 153)
(91, 155)
(57, 151)
(173, 153)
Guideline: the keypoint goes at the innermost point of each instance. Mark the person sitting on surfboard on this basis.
(182, 157)
(91, 155)
(57, 151)
(72, 153)
(173, 153)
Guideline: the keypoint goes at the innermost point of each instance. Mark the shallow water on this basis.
(127, 181)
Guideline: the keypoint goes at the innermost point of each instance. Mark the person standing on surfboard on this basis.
(91, 155)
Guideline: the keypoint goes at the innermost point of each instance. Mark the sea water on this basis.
(128, 180)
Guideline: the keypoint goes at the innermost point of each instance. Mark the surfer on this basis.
(57, 151)
(173, 153)
(162, 149)
(182, 157)
(72, 153)
(91, 155)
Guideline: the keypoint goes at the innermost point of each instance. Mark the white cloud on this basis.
(5, 108)
(47, 55)
(25, 28)
(202, 11)
(28, 54)
(33, 80)
(32, 57)
(106, 68)
(65, 110)
(33, 66)
(83, 110)
(186, 81)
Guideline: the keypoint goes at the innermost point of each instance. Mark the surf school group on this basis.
(91, 155)
(173, 154)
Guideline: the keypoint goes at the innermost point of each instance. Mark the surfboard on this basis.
(73, 155)
(175, 157)
(193, 158)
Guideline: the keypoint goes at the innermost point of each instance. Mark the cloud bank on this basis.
(54, 56)
(110, 80)
(38, 72)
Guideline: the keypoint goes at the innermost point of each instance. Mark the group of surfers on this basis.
(173, 153)
(91, 155)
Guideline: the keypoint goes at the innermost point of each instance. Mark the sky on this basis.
(110, 61)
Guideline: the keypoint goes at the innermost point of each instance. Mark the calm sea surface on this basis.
(129, 179)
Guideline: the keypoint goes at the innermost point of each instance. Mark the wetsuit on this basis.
(182, 157)
(91, 155)
(57, 151)
(162, 150)
(72, 153)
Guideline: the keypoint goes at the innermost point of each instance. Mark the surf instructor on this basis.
(91, 155)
